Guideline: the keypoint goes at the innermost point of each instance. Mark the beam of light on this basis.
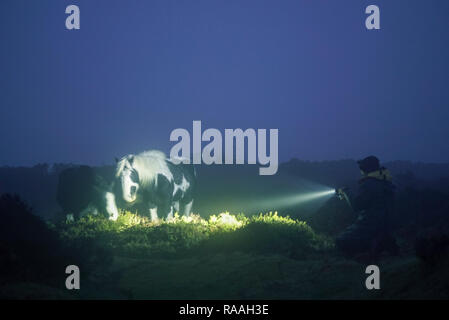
(296, 199)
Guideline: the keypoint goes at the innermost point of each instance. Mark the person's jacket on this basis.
(374, 200)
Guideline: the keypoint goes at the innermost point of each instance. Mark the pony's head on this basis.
(128, 179)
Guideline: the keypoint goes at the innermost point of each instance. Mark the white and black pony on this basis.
(153, 185)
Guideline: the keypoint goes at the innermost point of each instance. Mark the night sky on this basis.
(139, 69)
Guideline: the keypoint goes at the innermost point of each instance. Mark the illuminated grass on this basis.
(136, 236)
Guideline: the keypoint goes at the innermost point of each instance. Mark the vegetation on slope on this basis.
(135, 236)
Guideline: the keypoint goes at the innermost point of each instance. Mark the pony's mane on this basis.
(120, 166)
(147, 164)
(153, 154)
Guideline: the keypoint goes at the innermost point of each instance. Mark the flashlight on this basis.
(340, 192)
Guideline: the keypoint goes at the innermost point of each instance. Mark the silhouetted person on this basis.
(373, 203)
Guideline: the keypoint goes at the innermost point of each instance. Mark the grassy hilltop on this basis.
(226, 256)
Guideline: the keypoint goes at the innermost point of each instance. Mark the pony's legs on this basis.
(176, 206)
(170, 214)
(111, 207)
(153, 214)
(165, 209)
(186, 208)
(89, 209)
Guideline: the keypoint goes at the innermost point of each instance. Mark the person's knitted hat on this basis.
(369, 164)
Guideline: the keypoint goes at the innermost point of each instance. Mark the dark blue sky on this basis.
(139, 69)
